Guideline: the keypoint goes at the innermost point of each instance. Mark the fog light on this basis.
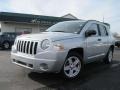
(44, 67)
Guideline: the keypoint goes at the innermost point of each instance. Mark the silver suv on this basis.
(65, 47)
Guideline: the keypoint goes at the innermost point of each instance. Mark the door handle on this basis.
(99, 39)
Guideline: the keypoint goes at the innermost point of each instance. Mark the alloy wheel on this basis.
(72, 66)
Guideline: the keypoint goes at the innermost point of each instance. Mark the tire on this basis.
(109, 57)
(72, 66)
(6, 45)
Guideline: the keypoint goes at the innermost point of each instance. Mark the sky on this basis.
(82, 9)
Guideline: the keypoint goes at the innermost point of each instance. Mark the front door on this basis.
(93, 44)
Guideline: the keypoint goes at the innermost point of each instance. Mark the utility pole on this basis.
(103, 19)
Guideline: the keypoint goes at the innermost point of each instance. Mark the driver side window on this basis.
(94, 27)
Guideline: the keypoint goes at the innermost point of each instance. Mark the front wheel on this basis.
(72, 66)
(6, 45)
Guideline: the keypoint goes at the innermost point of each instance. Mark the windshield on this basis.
(67, 27)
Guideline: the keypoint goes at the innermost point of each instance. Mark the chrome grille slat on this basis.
(24, 47)
(33, 48)
(20, 46)
(28, 47)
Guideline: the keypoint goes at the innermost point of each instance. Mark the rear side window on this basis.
(103, 30)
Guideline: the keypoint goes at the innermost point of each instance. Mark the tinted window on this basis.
(13, 35)
(6, 35)
(9, 35)
(94, 27)
(103, 30)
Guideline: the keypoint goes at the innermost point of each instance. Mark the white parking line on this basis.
(115, 65)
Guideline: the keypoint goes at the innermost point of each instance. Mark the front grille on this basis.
(28, 47)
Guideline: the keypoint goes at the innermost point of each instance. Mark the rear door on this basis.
(104, 38)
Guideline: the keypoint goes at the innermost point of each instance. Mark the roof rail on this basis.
(107, 24)
(93, 20)
(101, 22)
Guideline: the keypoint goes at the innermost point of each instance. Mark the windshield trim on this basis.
(82, 27)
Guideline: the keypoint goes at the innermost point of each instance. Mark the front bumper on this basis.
(42, 62)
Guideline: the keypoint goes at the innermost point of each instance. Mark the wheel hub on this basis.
(72, 66)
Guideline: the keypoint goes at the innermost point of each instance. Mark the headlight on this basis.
(59, 47)
(45, 44)
(15, 42)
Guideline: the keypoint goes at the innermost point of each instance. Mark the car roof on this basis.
(104, 23)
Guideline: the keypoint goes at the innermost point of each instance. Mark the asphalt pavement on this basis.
(96, 76)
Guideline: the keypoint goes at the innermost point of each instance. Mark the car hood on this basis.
(49, 35)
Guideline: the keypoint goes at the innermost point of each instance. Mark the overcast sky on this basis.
(82, 9)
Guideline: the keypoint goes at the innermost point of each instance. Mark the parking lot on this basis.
(96, 76)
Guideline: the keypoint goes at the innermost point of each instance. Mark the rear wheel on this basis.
(72, 66)
(109, 56)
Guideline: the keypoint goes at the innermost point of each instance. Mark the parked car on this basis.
(64, 48)
(7, 39)
(117, 43)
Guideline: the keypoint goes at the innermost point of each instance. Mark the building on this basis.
(69, 16)
(28, 23)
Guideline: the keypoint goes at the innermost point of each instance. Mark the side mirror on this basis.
(89, 33)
